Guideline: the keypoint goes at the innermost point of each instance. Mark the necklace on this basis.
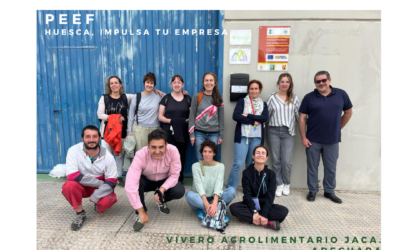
(212, 164)
(202, 166)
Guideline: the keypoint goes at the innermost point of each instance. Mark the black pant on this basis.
(146, 185)
(242, 211)
(181, 146)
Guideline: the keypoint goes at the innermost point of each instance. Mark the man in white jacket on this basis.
(91, 172)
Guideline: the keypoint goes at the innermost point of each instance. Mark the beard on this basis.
(91, 147)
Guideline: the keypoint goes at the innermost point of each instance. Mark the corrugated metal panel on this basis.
(72, 69)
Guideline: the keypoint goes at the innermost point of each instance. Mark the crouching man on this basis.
(91, 172)
(154, 168)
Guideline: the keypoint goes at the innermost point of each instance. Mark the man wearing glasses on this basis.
(322, 111)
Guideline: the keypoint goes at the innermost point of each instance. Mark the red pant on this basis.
(74, 192)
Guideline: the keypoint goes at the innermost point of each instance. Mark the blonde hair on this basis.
(108, 89)
(289, 93)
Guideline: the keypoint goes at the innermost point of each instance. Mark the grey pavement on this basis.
(321, 225)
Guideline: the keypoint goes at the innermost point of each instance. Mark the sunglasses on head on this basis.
(319, 81)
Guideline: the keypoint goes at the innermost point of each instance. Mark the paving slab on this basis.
(320, 225)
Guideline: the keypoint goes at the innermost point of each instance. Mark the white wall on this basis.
(348, 45)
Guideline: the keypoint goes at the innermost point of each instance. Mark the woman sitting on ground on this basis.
(208, 182)
(259, 186)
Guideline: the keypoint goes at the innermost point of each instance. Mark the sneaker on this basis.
(121, 181)
(200, 214)
(78, 221)
(226, 219)
(279, 190)
(273, 225)
(137, 225)
(286, 189)
(163, 208)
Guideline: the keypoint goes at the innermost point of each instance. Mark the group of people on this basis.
(160, 154)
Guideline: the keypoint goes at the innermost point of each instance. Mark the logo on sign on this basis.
(239, 55)
(272, 67)
(270, 57)
(280, 57)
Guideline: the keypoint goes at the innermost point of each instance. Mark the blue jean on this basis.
(330, 154)
(243, 154)
(195, 202)
(281, 146)
(200, 137)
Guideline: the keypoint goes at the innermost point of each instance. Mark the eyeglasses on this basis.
(319, 81)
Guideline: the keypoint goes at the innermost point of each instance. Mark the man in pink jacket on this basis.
(155, 167)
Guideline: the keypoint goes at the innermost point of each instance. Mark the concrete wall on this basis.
(348, 45)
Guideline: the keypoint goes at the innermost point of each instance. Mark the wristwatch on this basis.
(255, 211)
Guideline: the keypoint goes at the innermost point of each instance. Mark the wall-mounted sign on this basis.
(273, 48)
(239, 56)
(240, 37)
(239, 89)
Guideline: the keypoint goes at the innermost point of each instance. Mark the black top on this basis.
(251, 181)
(117, 106)
(180, 111)
(325, 115)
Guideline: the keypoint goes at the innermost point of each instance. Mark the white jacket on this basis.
(80, 168)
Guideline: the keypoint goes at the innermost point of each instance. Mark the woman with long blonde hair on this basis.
(283, 109)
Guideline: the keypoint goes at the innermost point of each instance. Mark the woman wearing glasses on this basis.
(283, 109)
(174, 113)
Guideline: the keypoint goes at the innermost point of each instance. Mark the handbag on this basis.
(217, 222)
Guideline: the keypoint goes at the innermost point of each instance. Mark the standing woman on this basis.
(206, 119)
(174, 113)
(143, 112)
(250, 114)
(283, 109)
(114, 102)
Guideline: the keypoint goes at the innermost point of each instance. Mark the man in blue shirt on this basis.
(321, 110)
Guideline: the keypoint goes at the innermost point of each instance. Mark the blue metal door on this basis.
(78, 50)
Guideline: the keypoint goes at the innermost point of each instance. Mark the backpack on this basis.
(200, 97)
(107, 101)
(138, 96)
(217, 222)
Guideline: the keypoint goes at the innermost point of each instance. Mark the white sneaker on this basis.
(286, 189)
(279, 190)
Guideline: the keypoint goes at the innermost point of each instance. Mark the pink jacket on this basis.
(168, 167)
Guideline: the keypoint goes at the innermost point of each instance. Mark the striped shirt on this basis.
(281, 114)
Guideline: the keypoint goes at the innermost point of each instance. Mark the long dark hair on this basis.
(216, 96)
